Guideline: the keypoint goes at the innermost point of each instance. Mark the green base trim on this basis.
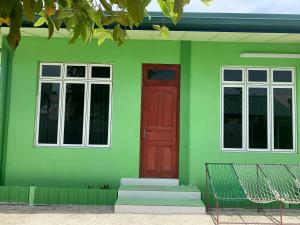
(14, 195)
(75, 196)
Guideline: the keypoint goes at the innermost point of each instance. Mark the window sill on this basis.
(104, 147)
(292, 151)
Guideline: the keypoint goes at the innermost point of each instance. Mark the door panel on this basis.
(159, 125)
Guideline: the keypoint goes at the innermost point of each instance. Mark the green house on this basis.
(221, 88)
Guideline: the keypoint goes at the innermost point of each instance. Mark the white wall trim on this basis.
(270, 55)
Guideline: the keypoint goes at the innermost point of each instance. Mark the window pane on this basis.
(283, 118)
(49, 107)
(100, 72)
(233, 75)
(99, 114)
(51, 70)
(282, 76)
(161, 74)
(258, 117)
(74, 109)
(76, 71)
(233, 109)
(258, 75)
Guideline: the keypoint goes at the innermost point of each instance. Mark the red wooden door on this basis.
(159, 125)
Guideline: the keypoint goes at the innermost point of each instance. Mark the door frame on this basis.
(146, 82)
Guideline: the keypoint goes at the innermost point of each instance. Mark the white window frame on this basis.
(293, 118)
(258, 69)
(38, 113)
(51, 64)
(246, 84)
(89, 111)
(63, 80)
(283, 69)
(64, 114)
(268, 118)
(243, 119)
(99, 78)
(76, 78)
(233, 68)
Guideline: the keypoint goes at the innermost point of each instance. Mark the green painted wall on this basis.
(79, 167)
(207, 59)
(199, 113)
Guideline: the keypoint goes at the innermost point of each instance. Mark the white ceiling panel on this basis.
(230, 36)
(198, 36)
(262, 37)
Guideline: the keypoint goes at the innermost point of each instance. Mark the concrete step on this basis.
(159, 206)
(150, 181)
(159, 192)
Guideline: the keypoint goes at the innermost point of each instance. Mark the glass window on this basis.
(233, 117)
(101, 71)
(99, 114)
(76, 71)
(258, 118)
(282, 76)
(80, 116)
(51, 70)
(257, 75)
(283, 118)
(48, 113)
(233, 75)
(161, 74)
(74, 112)
(262, 118)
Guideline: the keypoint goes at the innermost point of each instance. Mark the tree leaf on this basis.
(16, 18)
(109, 20)
(206, 2)
(146, 3)
(123, 18)
(65, 13)
(76, 34)
(164, 32)
(167, 8)
(29, 9)
(178, 7)
(39, 6)
(40, 21)
(104, 34)
(50, 26)
(107, 7)
(119, 34)
(136, 11)
(5, 20)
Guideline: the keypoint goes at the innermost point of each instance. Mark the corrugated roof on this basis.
(224, 22)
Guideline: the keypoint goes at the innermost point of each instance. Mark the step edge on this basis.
(159, 209)
(149, 181)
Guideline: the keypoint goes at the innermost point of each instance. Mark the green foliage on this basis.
(86, 19)
(163, 30)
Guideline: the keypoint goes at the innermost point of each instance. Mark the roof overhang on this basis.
(220, 27)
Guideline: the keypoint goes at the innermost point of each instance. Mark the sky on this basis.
(241, 6)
